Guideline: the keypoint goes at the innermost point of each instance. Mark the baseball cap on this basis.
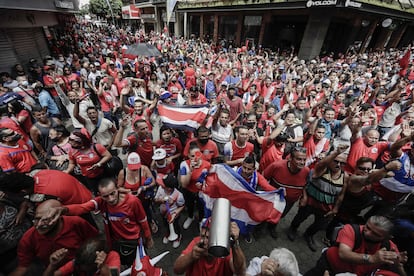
(224, 83)
(159, 154)
(134, 161)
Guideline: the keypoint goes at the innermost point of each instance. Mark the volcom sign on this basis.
(311, 3)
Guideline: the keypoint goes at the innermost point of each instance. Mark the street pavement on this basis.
(259, 247)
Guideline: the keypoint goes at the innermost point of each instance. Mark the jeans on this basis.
(320, 222)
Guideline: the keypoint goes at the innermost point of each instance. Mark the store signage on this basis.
(350, 3)
(64, 4)
(321, 3)
(131, 12)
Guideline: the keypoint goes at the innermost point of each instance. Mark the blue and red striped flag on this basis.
(248, 206)
(183, 117)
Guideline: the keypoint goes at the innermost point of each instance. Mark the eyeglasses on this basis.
(110, 194)
(340, 162)
(364, 169)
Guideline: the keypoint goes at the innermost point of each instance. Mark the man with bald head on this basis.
(365, 146)
(42, 239)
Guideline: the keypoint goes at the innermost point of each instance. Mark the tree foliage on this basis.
(100, 7)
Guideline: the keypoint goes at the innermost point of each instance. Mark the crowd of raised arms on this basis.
(82, 141)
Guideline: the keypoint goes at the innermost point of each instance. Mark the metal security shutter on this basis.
(28, 43)
(7, 55)
(41, 42)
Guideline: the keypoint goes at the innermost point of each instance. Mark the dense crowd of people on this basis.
(335, 132)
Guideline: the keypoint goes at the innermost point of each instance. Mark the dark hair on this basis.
(15, 182)
(37, 108)
(91, 107)
(202, 129)
(250, 159)
(363, 160)
(237, 128)
(86, 254)
(62, 129)
(164, 128)
(139, 121)
(105, 182)
(193, 145)
(4, 110)
(16, 105)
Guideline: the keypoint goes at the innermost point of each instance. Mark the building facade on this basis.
(311, 27)
(27, 29)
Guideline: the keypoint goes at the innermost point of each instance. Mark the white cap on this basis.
(159, 154)
(327, 81)
(134, 161)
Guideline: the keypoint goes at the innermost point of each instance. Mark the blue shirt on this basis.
(47, 101)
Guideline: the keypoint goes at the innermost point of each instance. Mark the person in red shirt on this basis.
(316, 144)
(47, 236)
(170, 144)
(272, 150)
(193, 172)
(367, 146)
(207, 146)
(195, 260)
(140, 141)
(123, 214)
(292, 175)
(92, 258)
(195, 97)
(235, 151)
(15, 154)
(375, 251)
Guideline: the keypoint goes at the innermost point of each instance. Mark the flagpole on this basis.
(112, 13)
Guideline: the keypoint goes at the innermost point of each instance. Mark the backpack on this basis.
(358, 237)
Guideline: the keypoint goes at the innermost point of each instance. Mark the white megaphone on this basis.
(143, 263)
(173, 236)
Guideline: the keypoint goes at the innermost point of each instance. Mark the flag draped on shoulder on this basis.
(183, 117)
(248, 207)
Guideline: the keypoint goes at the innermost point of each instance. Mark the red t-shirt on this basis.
(87, 158)
(127, 218)
(172, 148)
(203, 267)
(74, 233)
(144, 148)
(9, 123)
(17, 158)
(209, 150)
(62, 185)
(279, 176)
(270, 153)
(360, 149)
(195, 174)
(347, 237)
(112, 260)
(234, 152)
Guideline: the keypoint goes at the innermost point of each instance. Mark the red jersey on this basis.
(202, 267)
(360, 149)
(112, 260)
(233, 152)
(19, 158)
(172, 148)
(62, 185)
(279, 176)
(141, 146)
(195, 174)
(87, 158)
(127, 218)
(9, 123)
(209, 150)
(270, 153)
(75, 231)
(347, 237)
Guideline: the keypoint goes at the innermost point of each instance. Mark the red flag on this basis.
(404, 62)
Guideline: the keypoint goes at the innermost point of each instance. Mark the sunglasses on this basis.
(364, 169)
